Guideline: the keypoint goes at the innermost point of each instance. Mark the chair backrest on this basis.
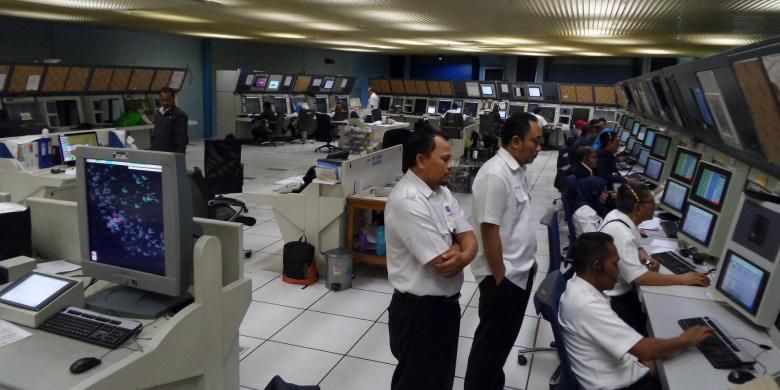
(224, 173)
(452, 119)
(547, 302)
(551, 220)
(324, 128)
(200, 194)
(4, 152)
(307, 122)
(568, 198)
(340, 116)
(487, 124)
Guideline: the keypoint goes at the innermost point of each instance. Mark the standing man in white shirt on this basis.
(505, 265)
(635, 204)
(429, 241)
(604, 352)
(373, 99)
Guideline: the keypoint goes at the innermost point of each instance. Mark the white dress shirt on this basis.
(627, 244)
(596, 339)
(502, 197)
(373, 101)
(541, 120)
(419, 226)
(586, 220)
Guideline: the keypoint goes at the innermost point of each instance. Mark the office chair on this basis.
(326, 132)
(452, 124)
(263, 134)
(306, 125)
(340, 116)
(397, 137)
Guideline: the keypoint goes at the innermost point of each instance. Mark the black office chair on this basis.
(452, 125)
(397, 137)
(340, 116)
(326, 132)
(306, 124)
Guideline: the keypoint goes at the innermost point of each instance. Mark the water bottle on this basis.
(380, 241)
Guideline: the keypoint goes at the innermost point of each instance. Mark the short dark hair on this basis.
(588, 248)
(267, 105)
(517, 124)
(607, 137)
(421, 141)
(168, 91)
(629, 196)
(582, 152)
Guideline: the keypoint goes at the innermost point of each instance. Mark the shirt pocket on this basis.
(520, 195)
(445, 232)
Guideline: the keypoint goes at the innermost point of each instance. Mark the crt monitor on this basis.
(534, 91)
(635, 128)
(444, 106)
(487, 90)
(135, 219)
(69, 143)
(653, 169)
(420, 106)
(470, 108)
(674, 195)
(649, 138)
(698, 223)
(685, 163)
(644, 155)
(711, 185)
(661, 145)
(328, 85)
(384, 103)
(742, 282)
(624, 135)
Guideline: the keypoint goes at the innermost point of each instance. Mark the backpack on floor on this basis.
(298, 265)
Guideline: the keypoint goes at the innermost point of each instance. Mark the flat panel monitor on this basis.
(635, 128)
(653, 169)
(384, 103)
(711, 185)
(629, 124)
(135, 218)
(35, 291)
(742, 282)
(420, 106)
(444, 106)
(472, 89)
(579, 113)
(487, 90)
(513, 108)
(252, 104)
(636, 150)
(704, 109)
(328, 84)
(630, 143)
(661, 146)
(644, 155)
(259, 82)
(274, 83)
(675, 195)
(431, 110)
(470, 108)
(685, 163)
(502, 114)
(280, 104)
(321, 104)
(698, 223)
(642, 133)
(649, 138)
(316, 82)
(534, 91)
(518, 92)
(69, 143)
(624, 136)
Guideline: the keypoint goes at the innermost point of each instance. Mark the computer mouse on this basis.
(84, 364)
(740, 376)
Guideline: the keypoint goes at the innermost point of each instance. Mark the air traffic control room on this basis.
(389, 194)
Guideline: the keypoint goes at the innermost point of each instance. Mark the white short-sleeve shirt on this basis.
(626, 236)
(502, 197)
(596, 339)
(419, 226)
(586, 220)
(373, 102)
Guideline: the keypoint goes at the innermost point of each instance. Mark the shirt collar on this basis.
(418, 184)
(625, 218)
(508, 159)
(163, 110)
(587, 167)
(584, 285)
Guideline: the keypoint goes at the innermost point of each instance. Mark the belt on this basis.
(425, 298)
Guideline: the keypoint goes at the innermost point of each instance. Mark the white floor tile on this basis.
(267, 228)
(271, 359)
(259, 278)
(542, 367)
(368, 305)
(372, 284)
(263, 262)
(262, 320)
(466, 292)
(515, 375)
(464, 347)
(275, 248)
(375, 345)
(287, 294)
(322, 331)
(474, 302)
(468, 276)
(525, 338)
(384, 317)
(359, 374)
(246, 345)
(261, 215)
(255, 241)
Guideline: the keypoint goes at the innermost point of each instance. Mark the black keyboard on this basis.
(673, 263)
(670, 228)
(720, 349)
(92, 327)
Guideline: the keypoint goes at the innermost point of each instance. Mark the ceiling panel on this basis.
(522, 27)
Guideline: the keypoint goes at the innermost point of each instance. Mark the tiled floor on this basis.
(339, 340)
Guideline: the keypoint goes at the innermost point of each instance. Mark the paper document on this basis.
(653, 224)
(666, 244)
(8, 207)
(10, 333)
(57, 267)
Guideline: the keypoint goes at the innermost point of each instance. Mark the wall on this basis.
(28, 41)
(590, 70)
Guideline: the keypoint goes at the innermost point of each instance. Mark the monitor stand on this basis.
(123, 301)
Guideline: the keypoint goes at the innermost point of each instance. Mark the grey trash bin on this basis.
(339, 269)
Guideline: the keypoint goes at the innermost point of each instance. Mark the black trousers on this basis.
(424, 339)
(647, 382)
(501, 313)
(629, 309)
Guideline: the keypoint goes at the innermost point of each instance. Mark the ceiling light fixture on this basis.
(560, 48)
(611, 41)
(164, 16)
(388, 16)
(720, 40)
(273, 16)
(592, 54)
(407, 42)
(358, 44)
(324, 26)
(531, 54)
(214, 35)
(425, 27)
(506, 41)
(87, 4)
(654, 51)
(443, 42)
(45, 15)
(283, 35)
(357, 49)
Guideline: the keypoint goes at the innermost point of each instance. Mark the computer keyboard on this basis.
(721, 349)
(670, 228)
(671, 261)
(91, 327)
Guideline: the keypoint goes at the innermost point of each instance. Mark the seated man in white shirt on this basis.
(589, 208)
(604, 352)
(634, 206)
